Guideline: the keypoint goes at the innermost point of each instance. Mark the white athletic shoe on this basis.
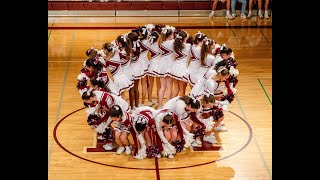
(211, 15)
(220, 128)
(108, 146)
(209, 139)
(222, 123)
(120, 150)
(158, 155)
(198, 141)
(170, 156)
(128, 150)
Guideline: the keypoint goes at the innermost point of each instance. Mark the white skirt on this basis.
(154, 63)
(178, 71)
(137, 70)
(122, 82)
(163, 67)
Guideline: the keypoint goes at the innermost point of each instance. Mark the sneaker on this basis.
(120, 150)
(128, 150)
(243, 16)
(260, 15)
(233, 15)
(170, 156)
(228, 16)
(220, 128)
(209, 139)
(222, 123)
(159, 156)
(266, 16)
(194, 144)
(108, 146)
(249, 15)
(198, 141)
(211, 15)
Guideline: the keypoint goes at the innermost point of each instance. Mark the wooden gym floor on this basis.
(246, 148)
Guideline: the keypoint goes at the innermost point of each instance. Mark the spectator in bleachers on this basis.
(243, 8)
(214, 6)
(266, 6)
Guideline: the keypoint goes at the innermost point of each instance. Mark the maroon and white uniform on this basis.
(178, 107)
(167, 58)
(105, 101)
(120, 78)
(180, 65)
(194, 65)
(209, 62)
(167, 147)
(125, 63)
(146, 114)
(136, 63)
(143, 58)
(155, 55)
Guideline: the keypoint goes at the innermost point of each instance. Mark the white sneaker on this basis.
(198, 141)
(243, 16)
(249, 15)
(158, 155)
(108, 146)
(128, 150)
(228, 16)
(260, 15)
(170, 156)
(233, 15)
(266, 15)
(120, 150)
(209, 139)
(211, 15)
(222, 123)
(194, 144)
(220, 128)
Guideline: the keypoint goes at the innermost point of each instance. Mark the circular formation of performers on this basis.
(174, 59)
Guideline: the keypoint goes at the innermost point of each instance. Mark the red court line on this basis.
(157, 168)
(179, 27)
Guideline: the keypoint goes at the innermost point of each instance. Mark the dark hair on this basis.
(189, 101)
(91, 53)
(199, 37)
(221, 63)
(107, 46)
(134, 38)
(168, 119)
(205, 50)
(158, 28)
(209, 99)
(190, 40)
(178, 42)
(85, 96)
(136, 30)
(86, 104)
(154, 34)
(95, 82)
(96, 64)
(115, 111)
(225, 50)
(163, 36)
(126, 43)
(143, 32)
(140, 126)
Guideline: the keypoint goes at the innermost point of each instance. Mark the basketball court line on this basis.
(255, 140)
(51, 29)
(61, 95)
(264, 91)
